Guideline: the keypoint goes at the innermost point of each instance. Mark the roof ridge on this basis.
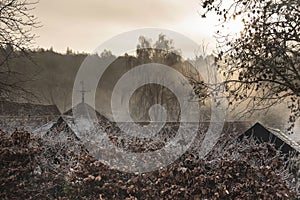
(285, 137)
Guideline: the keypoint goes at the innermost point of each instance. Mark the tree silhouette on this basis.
(262, 65)
(16, 24)
(162, 51)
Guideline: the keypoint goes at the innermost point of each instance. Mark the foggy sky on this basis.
(83, 25)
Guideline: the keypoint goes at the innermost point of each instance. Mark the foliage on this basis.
(21, 173)
(261, 66)
(162, 51)
(43, 168)
(16, 24)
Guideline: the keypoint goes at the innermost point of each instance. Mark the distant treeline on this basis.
(50, 77)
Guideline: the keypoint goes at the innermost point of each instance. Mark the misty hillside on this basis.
(50, 77)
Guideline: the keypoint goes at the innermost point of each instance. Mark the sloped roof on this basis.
(62, 126)
(86, 111)
(66, 123)
(285, 138)
(43, 129)
(281, 140)
(8, 108)
(296, 135)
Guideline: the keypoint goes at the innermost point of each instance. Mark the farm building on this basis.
(26, 115)
(86, 117)
(281, 140)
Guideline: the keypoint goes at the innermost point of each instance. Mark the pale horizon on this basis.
(82, 26)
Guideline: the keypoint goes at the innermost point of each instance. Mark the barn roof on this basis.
(86, 111)
(281, 140)
(11, 109)
(285, 138)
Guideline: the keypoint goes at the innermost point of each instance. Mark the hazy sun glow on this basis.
(234, 27)
(91, 22)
